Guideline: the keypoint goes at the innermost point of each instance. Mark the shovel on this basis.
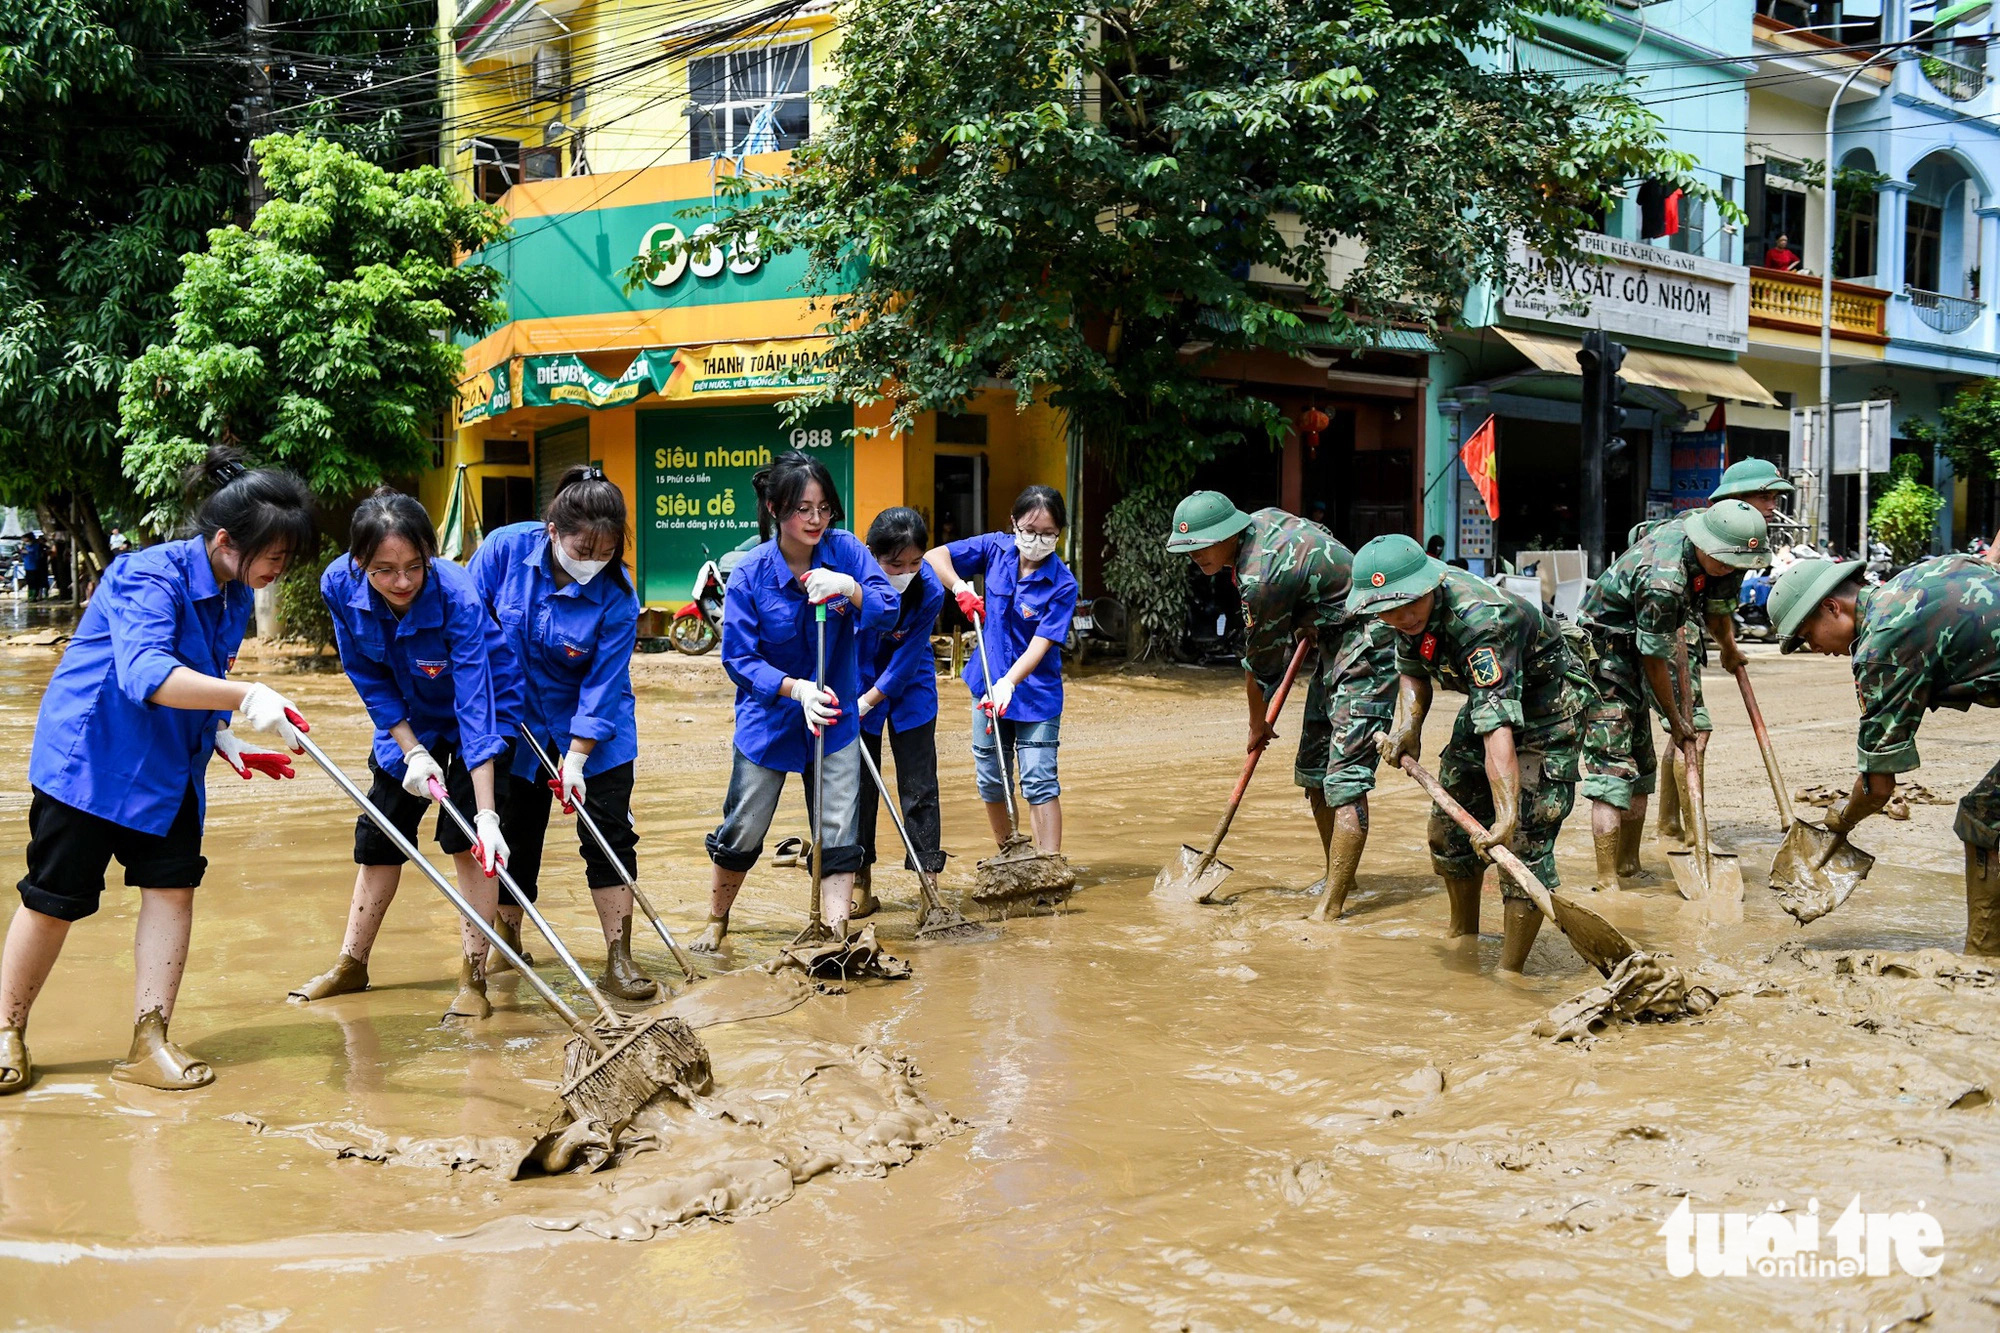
(608, 1075)
(817, 931)
(1021, 872)
(1765, 748)
(1700, 875)
(1194, 876)
(1597, 940)
(936, 920)
(1815, 870)
(631, 882)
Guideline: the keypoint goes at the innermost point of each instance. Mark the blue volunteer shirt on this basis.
(898, 661)
(768, 634)
(99, 746)
(1017, 610)
(574, 646)
(443, 666)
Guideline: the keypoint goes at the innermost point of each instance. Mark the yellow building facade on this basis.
(602, 131)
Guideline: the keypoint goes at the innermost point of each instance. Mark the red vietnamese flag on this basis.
(1479, 460)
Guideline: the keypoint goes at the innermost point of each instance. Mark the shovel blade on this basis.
(1815, 870)
(1596, 940)
(1185, 879)
(1022, 874)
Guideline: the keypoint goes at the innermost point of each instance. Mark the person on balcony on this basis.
(1782, 256)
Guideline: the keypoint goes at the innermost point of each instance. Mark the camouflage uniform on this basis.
(1723, 594)
(1510, 661)
(1934, 627)
(1293, 576)
(1634, 609)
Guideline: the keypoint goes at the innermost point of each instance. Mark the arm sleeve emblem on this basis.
(1484, 667)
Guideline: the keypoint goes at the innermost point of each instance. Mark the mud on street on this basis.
(1127, 1115)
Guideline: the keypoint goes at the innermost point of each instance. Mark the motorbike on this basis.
(1753, 617)
(697, 627)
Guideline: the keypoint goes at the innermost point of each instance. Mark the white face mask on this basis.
(1035, 546)
(901, 581)
(583, 571)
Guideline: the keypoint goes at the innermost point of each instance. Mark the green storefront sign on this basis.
(695, 496)
(565, 381)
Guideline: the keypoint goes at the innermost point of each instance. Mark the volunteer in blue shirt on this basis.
(137, 705)
(769, 648)
(444, 692)
(1032, 596)
(899, 694)
(558, 589)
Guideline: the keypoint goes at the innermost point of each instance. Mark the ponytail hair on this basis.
(261, 509)
(389, 513)
(780, 486)
(586, 501)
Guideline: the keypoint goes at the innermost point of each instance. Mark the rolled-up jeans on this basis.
(1032, 746)
(753, 799)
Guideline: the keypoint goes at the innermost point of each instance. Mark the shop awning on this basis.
(1658, 370)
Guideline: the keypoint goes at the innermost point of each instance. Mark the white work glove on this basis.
(822, 707)
(825, 585)
(999, 695)
(863, 708)
(264, 709)
(570, 786)
(418, 770)
(246, 761)
(489, 847)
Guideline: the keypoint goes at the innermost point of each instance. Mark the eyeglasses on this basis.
(1030, 532)
(397, 573)
(812, 511)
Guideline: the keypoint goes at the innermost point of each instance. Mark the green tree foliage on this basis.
(1905, 518)
(316, 339)
(1151, 580)
(118, 156)
(1100, 203)
(302, 613)
(1968, 430)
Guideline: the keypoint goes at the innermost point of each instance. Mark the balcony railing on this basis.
(1961, 83)
(1946, 314)
(1790, 301)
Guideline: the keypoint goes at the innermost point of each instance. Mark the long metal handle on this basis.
(451, 893)
(1764, 745)
(617, 862)
(929, 889)
(819, 770)
(443, 799)
(1276, 706)
(993, 721)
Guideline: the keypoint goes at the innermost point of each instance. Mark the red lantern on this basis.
(1311, 423)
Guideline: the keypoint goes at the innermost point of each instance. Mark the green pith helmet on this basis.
(1749, 477)
(1798, 593)
(1391, 571)
(1732, 532)
(1203, 519)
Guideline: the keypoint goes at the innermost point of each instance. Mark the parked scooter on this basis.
(698, 626)
(1753, 619)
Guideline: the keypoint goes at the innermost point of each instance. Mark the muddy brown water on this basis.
(1126, 1115)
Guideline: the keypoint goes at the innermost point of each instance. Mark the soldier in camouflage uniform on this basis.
(1760, 485)
(1292, 577)
(1928, 638)
(1636, 612)
(1512, 757)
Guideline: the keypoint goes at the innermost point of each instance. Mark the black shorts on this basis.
(69, 850)
(524, 818)
(372, 846)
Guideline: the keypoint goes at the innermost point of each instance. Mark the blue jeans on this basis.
(753, 800)
(1033, 746)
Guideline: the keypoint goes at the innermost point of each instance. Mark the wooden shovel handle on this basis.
(1764, 746)
(1502, 857)
(1276, 706)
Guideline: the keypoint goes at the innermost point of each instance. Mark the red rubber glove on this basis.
(248, 762)
(970, 603)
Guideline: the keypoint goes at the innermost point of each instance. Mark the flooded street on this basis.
(1131, 1114)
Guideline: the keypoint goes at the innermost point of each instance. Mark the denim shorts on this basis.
(1032, 747)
